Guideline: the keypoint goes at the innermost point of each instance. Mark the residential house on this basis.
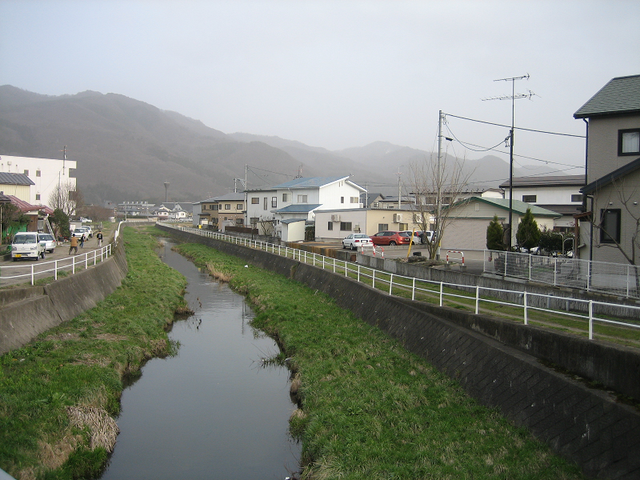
(469, 219)
(177, 211)
(610, 229)
(336, 224)
(285, 209)
(17, 184)
(37, 214)
(47, 174)
(558, 193)
(220, 212)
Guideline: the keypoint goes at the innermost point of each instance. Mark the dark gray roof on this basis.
(621, 96)
(611, 177)
(546, 181)
(15, 179)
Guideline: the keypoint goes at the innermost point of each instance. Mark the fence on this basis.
(610, 278)
(583, 315)
(19, 273)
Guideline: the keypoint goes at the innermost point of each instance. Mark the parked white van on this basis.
(27, 245)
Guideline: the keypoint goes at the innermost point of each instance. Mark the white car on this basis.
(27, 245)
(356, 240)
(50, 242)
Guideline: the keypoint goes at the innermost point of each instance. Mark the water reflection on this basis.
(211, 411)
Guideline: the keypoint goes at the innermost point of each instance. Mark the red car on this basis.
(390, 238)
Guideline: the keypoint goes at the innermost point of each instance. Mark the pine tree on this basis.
(528, 234)
(495, 235)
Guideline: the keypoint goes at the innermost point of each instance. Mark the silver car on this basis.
(50, 242)
(356, 240)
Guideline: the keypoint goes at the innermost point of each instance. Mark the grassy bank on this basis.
(58, 395)
(368, 408)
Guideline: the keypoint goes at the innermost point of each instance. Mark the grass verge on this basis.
(368, 409)
(58, 395)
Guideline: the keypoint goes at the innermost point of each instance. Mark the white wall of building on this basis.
(46, 173)
(555, 195)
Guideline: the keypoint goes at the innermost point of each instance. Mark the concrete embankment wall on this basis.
(27, 312)
(586, 425)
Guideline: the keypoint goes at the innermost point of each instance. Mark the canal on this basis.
(214, 410)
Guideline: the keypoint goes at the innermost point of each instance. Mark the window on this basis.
(629, 142)
(302, 199)
(341, 199)
(345, 226)
(329, 225)
(238, 206)
(529, 198)
(26, 172)
(255, 200)
(285, 197)
(265, 205)
(274, 202)
(37, 196)
(577, 197)
(610, 225)
(383, 226)
(354, 200)
(254, 221)
(227, 206)
(38, 173)
(240, 221)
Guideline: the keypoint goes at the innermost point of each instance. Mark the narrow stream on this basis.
(213, 411)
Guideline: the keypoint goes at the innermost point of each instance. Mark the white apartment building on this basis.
(46, 174)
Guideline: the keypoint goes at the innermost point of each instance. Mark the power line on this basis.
(517, 128)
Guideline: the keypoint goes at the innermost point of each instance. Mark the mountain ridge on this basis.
(126, 149)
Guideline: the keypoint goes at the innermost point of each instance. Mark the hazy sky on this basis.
(336, 74)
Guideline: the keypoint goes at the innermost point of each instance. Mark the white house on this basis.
(46, 174)
(280, 210)
(558, 193)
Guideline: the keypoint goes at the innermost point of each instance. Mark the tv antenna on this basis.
(513, 97)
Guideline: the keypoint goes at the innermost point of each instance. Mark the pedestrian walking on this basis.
(73, 244)
(99, 237)
(82, 241)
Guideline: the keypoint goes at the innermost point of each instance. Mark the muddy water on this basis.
(213, 411)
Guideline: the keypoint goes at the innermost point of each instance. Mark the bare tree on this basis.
(65, 197)
(626, 192)
(436, 184)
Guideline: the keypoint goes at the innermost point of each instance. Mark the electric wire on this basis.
(516, 128)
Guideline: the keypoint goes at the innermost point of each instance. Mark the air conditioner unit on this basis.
(397, 217)
(335, 218)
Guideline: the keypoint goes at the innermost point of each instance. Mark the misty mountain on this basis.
(126, 149)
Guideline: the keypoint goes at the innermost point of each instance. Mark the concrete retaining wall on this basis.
(27, 312)
(586, 425)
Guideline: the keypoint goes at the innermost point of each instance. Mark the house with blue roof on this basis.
(287, 209)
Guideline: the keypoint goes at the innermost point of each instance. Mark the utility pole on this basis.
(399, 190)
(513, 97)
(439, 183)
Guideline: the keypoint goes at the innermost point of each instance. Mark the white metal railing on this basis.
(22, 272)
(390, 283)
(611, 278)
